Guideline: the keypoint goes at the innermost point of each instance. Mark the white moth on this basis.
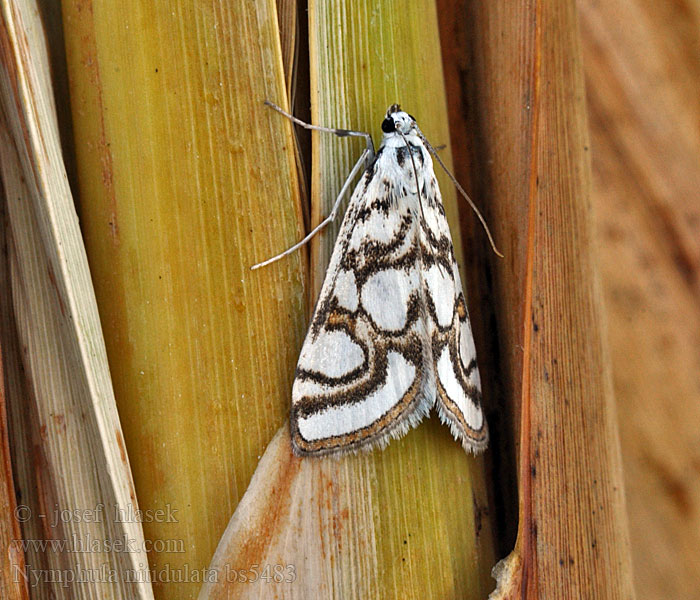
(390, 336)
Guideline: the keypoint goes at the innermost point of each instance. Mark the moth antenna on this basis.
(415, 170)
(415, 174)
(460, 189)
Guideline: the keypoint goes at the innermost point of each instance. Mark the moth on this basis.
(390, 337)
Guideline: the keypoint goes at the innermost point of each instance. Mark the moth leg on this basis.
(333, 130)
(328, 219)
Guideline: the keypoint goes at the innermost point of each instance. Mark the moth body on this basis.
(390, 337)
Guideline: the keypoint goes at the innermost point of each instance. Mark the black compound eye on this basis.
(388, 125)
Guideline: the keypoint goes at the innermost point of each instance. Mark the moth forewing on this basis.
(390, 336)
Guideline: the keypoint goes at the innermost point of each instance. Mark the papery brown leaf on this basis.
(524, 103)
(72, 473)
(642, 62)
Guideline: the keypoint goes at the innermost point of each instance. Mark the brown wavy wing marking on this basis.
(438, 250)
(335, 311)
(474, 438)
(357, 384)
(380, 429)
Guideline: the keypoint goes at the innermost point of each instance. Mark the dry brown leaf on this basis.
(66, 433)
(525, 118)
(12, 562)
(642, 64)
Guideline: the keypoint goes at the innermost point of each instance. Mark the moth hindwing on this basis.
(390, 337)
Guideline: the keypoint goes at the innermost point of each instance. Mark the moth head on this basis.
(397, 120)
